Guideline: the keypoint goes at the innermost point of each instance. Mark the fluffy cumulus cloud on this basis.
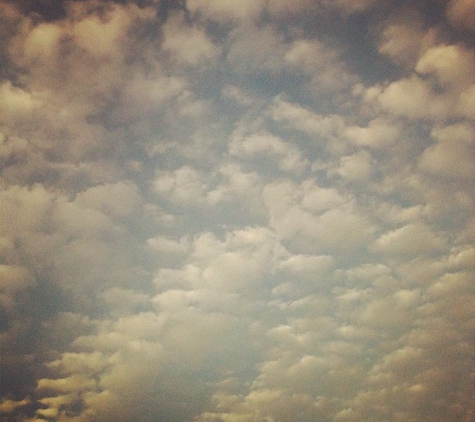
(237, 211)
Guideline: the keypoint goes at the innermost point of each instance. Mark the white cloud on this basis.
(17, 102)
(356, 167)
(167, 246)
(101, 37)
(282, 9)
(119, 199)
(414, 98)
(308, 265)
(410, 240)
(236, 211)
(452, 65)
(379, 134)
(183, 186)
(305, 120)
(322, 63)
(404, 42)
(440, 88)
(309, 55)
(15, 278)
(66, 385)
(229, 10)
(25, 209)
(350, 7)
(189, 45)
(338, 229)
(40, 45)
(452, 156)
(265, 145)
(466, 102)
(236, 94)
(146, 93)
(239, 263)
(318, 199)
(237, 188)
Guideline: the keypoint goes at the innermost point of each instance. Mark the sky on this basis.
(237, 210)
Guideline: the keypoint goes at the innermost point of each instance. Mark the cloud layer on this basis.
(237, 211)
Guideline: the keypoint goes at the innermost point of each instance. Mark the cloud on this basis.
(227, 11)
(236, 211)
(8, 406)
(189, 45)
(322, 63)
(281, 9)
(356, 167)
(118, 199)
(378, 135)
(336, 229)
(461, 14)
(441, 87)
(288, 158)
(405, 39)
(452, 155)
(298, 117)
(412, 240)
(256, 49)
(452, 65)
(182, 186)
(413, 97)
(240, 262)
